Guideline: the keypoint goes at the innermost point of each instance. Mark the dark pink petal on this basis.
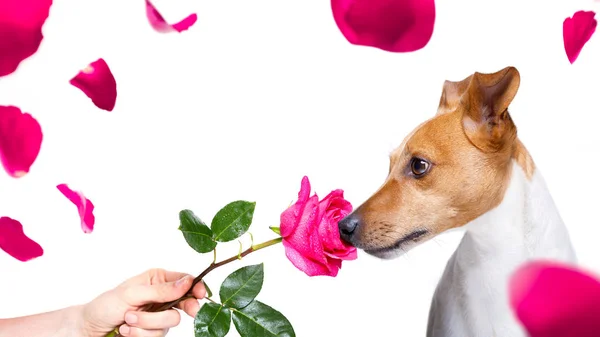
(291, 217)
(98, 83)
(84, 207)
(390, 25)
(555, 300)
(305, 237)
(577, 31)
(160, 25)
(21, 24)
(334, 208)
(20, 140)
(308, 266)
(14, 241)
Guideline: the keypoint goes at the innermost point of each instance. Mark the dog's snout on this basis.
(348, 227)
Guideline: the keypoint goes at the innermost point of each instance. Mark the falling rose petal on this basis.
(98, 83)
(160, 24)
(577, 31)
(84, 206)
(391, 25)
(555, 300)
(20, 140)
(14, 241)
(21, 24)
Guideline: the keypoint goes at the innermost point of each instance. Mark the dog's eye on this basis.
(419, 166)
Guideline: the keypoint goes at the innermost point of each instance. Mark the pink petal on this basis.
(291, 217)
(98, 83)
(334, 208)
(308, 266)
(21, 24)
(160, 25)
(390, 25)
(553, 300)
(84, 207)
(14, 241)
(305, 237)
(20, 140)
(577, 31)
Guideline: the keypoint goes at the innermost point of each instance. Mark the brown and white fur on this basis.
(466, 167)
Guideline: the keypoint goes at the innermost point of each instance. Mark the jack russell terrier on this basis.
(466, 167)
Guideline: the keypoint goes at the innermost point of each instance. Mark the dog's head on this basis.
(448, 171)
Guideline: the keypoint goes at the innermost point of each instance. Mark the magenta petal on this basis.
(390, 25)
(84, 207)
(308, 266)
(14, 241)
(291, 217)
(21, 24)
(577, 31)
(98, 83)
(553, 300)
(20, 140)
(160, 25)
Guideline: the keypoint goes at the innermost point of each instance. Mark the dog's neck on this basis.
(525, 225)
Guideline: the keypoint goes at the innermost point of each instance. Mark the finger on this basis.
(137, 295)
(129, 331)
(153, 320)
(190, 307)
(199, 290)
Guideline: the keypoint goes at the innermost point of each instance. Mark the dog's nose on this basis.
(348, 227)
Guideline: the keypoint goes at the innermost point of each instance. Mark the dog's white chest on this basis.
(472, 295)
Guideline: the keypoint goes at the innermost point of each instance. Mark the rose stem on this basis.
(164, 306)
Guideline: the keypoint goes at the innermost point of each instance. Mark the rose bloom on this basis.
(310, 232)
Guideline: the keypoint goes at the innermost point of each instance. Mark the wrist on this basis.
(72, 322)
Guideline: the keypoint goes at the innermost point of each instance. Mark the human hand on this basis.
(120, 306)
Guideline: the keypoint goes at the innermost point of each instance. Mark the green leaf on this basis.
(232, 221)
(276, 230)
(242, 286)
(212, 320)
(208, 291)
(260, 320)
(196, 233)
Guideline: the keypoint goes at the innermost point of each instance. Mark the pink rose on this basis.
(310, 232)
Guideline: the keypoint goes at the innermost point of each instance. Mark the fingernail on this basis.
(130, 318)
(181, 281)
(124, 330)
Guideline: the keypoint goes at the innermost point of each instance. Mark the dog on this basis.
(466, 167)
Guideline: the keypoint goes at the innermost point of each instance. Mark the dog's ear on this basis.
(486, 121)
(451, 94)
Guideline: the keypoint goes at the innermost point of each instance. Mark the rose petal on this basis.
(577, 31)
(308, 266)
(160, 25)
(20, 140)
(14, 241)
(390, 25)
(84, 206)
(334, 208)
(290, 217)
(21, 24)
(305, 237)
(553, 300)
(98, 83)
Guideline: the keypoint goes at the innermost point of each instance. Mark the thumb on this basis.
(137, 295)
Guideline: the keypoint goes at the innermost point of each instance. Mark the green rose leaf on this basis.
(232, 221)
(212, 320)
(242, 286)
(196, 233)
(208, 291)
(260, 320)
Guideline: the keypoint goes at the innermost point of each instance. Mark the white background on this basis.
(254, 96)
